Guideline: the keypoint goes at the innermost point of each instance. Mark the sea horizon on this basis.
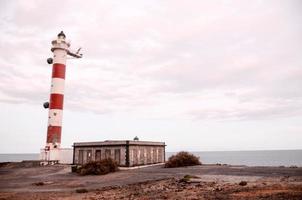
(193, 151)
(288, 157)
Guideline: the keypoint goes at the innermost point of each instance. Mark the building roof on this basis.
(118, 142)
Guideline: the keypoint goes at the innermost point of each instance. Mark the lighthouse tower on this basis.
(53, 151)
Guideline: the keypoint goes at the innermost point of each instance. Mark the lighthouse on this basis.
(53, 150)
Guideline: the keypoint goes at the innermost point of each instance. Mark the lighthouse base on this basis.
(57, 155)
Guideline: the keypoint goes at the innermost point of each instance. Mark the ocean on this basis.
(16, 157)
(249, 158)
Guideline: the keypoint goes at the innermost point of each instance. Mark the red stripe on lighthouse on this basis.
(58, 71)
(56, 101)
(54, 134)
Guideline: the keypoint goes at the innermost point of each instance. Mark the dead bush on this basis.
(38, 184)
(104, 166)
(182, 159)
(82, 190)
(243, 183)
(188, 178)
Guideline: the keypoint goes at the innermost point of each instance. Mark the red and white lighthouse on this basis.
(60, 49)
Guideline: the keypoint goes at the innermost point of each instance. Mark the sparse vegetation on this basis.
(82, 190)
(74, 168)
(182, 159)
(187, 178)
(190, 176)
(38, 184)
(243, 183)
(104, 166)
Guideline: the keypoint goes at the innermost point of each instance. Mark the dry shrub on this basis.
(243, 183)
(182, 159)
(38, 184)
(104, 166)
(187, 178)
(82, 190)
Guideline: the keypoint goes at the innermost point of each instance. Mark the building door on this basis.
(89, 156)
(81, 156)
(117, 156)
(98, 155)
(107, 153)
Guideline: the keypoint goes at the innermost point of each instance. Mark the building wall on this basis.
(138, 154)
(104, 152)
(143, 155)
(63, 155)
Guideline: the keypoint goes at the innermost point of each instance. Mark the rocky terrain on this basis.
(156, 182)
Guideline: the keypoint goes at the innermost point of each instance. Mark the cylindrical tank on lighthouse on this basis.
(60, 49)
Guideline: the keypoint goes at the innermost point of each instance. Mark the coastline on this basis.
(154, 182)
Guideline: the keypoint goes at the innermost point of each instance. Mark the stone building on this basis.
(126, 153)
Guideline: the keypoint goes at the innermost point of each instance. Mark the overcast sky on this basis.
(198, 75)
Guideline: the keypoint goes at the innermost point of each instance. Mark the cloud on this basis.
(203, 60)
(254, 110)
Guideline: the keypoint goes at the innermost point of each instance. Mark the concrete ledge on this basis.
(141, 166)
(118, 143)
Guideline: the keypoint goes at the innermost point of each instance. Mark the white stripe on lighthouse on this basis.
(60, 56)
(57, 86)
(55, 117)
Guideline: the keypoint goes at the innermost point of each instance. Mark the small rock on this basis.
(195, 180)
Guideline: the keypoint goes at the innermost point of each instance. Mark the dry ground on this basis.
(216, 182)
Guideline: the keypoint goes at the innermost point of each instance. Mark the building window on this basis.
(149, 160)
(98, 156)
(154, 155)
(107, 153)
(142, 156)
(89, 155)
(135, 160)
(81, 156)
(160, 155)
(117, 155)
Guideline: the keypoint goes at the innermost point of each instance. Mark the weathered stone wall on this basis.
(142, 155)
(93, 150)
(139, 154)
